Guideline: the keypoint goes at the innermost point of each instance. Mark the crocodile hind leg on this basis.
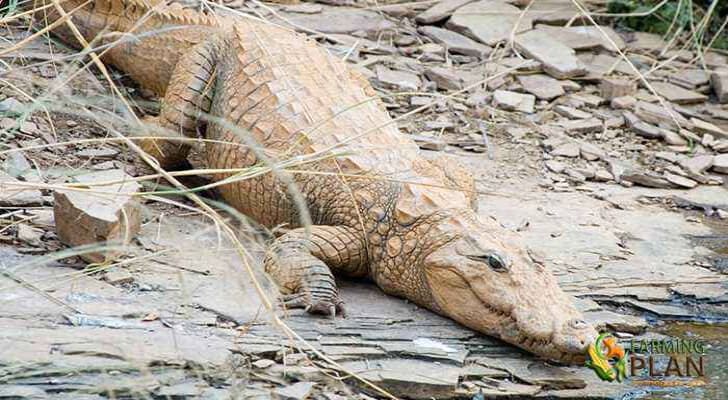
(301, 264)
(187, 98)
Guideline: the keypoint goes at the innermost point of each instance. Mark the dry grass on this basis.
(51, 103)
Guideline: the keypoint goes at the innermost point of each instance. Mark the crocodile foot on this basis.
(330, 306)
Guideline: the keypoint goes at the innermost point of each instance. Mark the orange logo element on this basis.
(607, 358)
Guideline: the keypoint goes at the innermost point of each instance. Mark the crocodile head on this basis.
(494, 288)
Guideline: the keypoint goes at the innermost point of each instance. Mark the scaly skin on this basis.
(379, 210)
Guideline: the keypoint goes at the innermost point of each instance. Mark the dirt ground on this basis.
(178, 316)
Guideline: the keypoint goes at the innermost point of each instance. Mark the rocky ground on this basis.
(613, 171)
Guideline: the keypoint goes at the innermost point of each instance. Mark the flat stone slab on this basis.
(571, 112)
(512, 101)
(552, 12)
(343, 21)
(410, 378)
(399, 80)
(455, 42)
(440, 11)
(584, 37)
(720, 163)
(542, 86)
(488, 21)
(644, 41)
(583, 125)
(14, 193)
(601, 64)
(677, 94)
(558, 60)
(704, 127)
(690, 78)
(445, 78)
(660, 115)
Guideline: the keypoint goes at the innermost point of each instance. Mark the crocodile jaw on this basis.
(522, 305)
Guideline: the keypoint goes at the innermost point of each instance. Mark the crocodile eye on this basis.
(497, 262)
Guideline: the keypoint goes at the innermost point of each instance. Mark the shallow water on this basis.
(715, 336)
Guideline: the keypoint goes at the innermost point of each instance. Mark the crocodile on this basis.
(377, 209)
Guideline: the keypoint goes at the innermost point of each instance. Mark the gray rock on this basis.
(29, 235)
(445, 78)
(616, 88)
(647, 131)
(512, 101)
(701, 126)
(297, 391)
(414, 379)
(719, 82)
(622, 103)
(429, 143)
(697, 165)
(646, 41)
(521, 65)
(16, 164)
(659, 115)
(14, 194)
(599, 65)
(602, 175)
(118, 276)
(542, 86)
(700, 290)
(720, 163)
(584, 37)
(440, 11)
(22, 392)
(576, 176)
(344, 21)
(680, 181)
(619, 322)
(570, 149)
(110, 213)
(676, 94)
(591, 152)
(558, 59)
(263, 363)
(662, 310)
(11, 106)
(455, 42)
(715, 60)
(28, 127)
(552, 12)
(690, 78)
(189, 389)
(667, 156)
(646, 179)
(583, 125)
(673, 138)
(554, 166)
(642, 128)
(488, 21)
(617, 169)
(571, 112)
(588, 99)
(721, 146)
(103, 152)
(399, 80)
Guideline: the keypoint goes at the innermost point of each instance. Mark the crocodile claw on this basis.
(314, 306)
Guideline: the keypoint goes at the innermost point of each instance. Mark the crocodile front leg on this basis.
(188, 96)
(301, 264)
